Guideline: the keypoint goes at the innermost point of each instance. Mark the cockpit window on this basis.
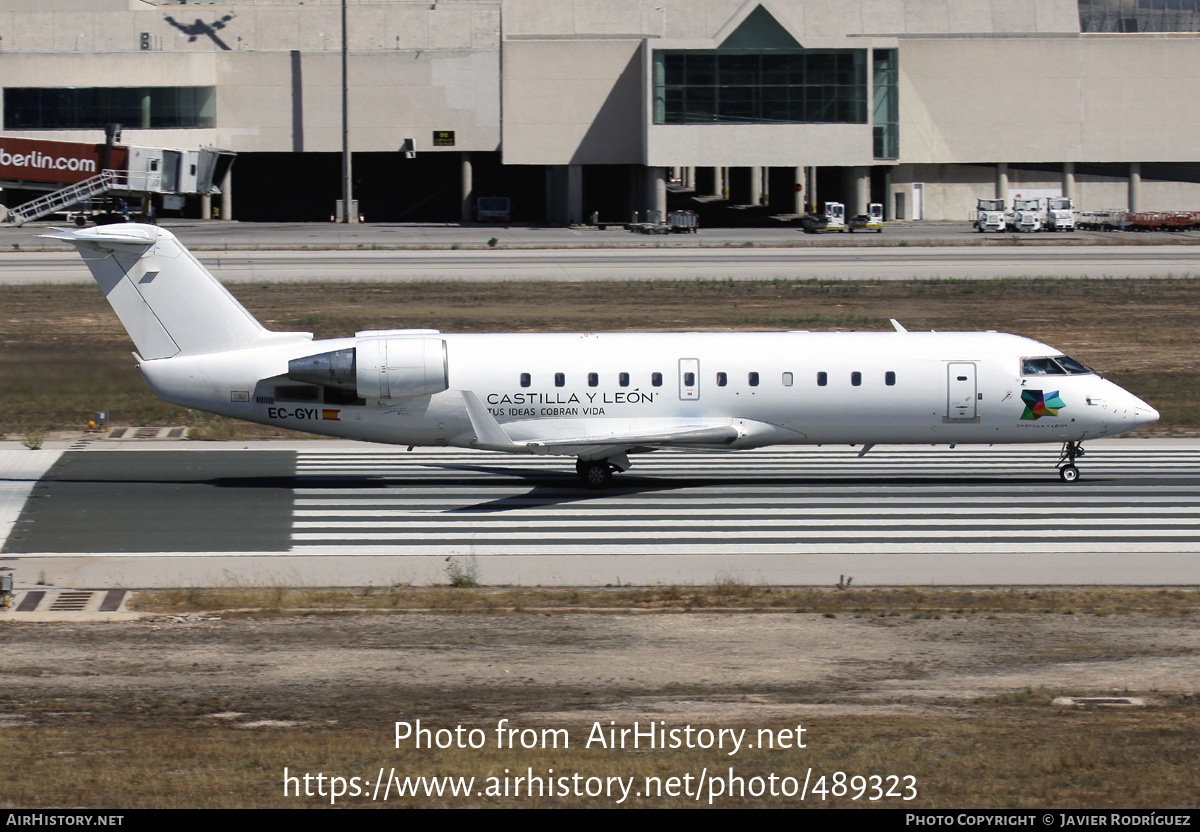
(1041, 367)
(1073, 367)
(1056, 366)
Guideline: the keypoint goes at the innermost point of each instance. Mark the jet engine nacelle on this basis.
(379, 368)
(397, 368)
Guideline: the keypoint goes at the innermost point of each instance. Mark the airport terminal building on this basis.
(740, 109)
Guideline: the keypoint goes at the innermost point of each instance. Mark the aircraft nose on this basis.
(1126, 411)
(1143, 414)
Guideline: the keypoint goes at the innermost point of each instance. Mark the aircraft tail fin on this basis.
(167, 301)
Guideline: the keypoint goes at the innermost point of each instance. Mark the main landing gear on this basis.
(1067, 472)
(595, 473)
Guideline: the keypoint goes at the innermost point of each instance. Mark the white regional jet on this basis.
(595, 396)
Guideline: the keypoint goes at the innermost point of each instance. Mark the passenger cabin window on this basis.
(623, 379)
(822, 379)
(560, 380)
(526, 380)
(656, 379)
(593, 379)
(753, 379)
(722, 379)
(787, 379)
(856, 378)
(889, 378)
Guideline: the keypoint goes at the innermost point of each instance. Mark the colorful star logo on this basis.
(1038, 405)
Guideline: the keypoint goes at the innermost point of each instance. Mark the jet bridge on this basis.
(75, 172)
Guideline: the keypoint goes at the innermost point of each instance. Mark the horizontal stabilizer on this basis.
(108, 235)
(166, 300)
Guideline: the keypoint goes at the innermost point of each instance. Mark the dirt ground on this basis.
(202, 710)
(617, 663)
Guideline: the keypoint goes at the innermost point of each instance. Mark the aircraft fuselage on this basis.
(778, 388)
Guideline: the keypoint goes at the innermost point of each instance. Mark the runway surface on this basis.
(608, 264)
(348, 514)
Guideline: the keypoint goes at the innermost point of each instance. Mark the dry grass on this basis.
(726, 595)
(138, 726)
(63, 354)
(1011, 752)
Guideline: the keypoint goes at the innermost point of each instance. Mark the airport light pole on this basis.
(348, 214)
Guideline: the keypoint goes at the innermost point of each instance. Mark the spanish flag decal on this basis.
(330, 415)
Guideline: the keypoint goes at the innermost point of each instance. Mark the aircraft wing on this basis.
(682, 435)
(489, 434)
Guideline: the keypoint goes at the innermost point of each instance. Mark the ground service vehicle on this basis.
(989, 215)
(870, 221)
(1026, 215)
(833, 218)
(1060, 214)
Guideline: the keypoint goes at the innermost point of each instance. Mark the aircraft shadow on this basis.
(260, 483)
(550, 488)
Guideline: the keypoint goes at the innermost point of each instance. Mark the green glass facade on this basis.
(777, 86)
(1136, 16)
(86, 108)
(885, 112)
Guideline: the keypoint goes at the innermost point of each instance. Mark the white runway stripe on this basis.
(744, 534)
(617, 525)
(331, 509)
(990, 500)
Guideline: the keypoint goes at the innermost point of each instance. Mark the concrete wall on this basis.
(279, 89)
(1091, 99)
(391, 98)
(772, 145)
(119, 70)
(803, 18)
(572, 102)
(951, 191)
(91, 26)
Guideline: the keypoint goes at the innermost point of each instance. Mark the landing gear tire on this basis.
(596, 473)
(1067, 472)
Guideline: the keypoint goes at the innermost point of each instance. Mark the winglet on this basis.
(897, 325)
(488, 433)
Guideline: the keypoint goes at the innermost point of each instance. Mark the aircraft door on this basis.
(963, 392)
(689, 379)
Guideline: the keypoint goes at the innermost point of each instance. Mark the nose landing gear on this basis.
(1067, 471)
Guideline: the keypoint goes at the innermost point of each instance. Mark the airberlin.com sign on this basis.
(35, 160)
